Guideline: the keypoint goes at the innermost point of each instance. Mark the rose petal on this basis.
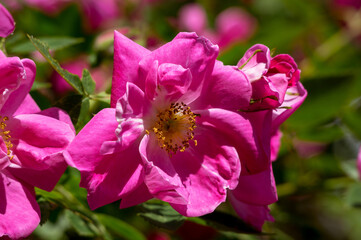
(256, 62)
(228, 88)
(19, 212)
(189, 51)
(27, 106)
(25, 75)
(255, 215)
(207, 171)
(127, 55)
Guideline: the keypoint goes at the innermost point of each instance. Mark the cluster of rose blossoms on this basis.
(182, 128)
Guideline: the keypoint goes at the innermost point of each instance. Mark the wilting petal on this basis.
(207, 171)
(255, 62)
(19, 212)
(25, 75)
(127, 55)
(7, 24)
(293, 99)
(254, 215)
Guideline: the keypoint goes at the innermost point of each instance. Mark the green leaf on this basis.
(52, 196)
(84, 113)
(161, 215)
(121, 228)
(79, 224)
(88, 82)
(72, 79)
(54, 43)
(353, 195)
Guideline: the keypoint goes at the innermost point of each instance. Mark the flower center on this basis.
(6, 136)
(174, 128)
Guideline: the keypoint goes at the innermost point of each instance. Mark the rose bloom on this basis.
(266, 90)
(163, 139)
(32, 144)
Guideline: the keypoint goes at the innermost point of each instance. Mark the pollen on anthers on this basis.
(5, 134)
(174, 128)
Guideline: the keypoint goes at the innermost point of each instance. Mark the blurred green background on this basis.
(316, 174)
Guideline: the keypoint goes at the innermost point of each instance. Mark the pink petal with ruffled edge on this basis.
(127, 55)
(189, 51)
(7, 24)
(255, 63)
(19, 211)
(161, 178)
(255, 215)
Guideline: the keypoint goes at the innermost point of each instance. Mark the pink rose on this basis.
(163, 140)
(32, 143)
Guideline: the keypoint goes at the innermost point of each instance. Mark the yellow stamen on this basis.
(5, 134)
(174, 128)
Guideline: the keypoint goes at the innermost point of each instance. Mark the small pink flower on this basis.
(163, 140)
(49, 7)
(231, 25)
(31, 148)
(7, 24)
(234, 25)
(98, 13)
